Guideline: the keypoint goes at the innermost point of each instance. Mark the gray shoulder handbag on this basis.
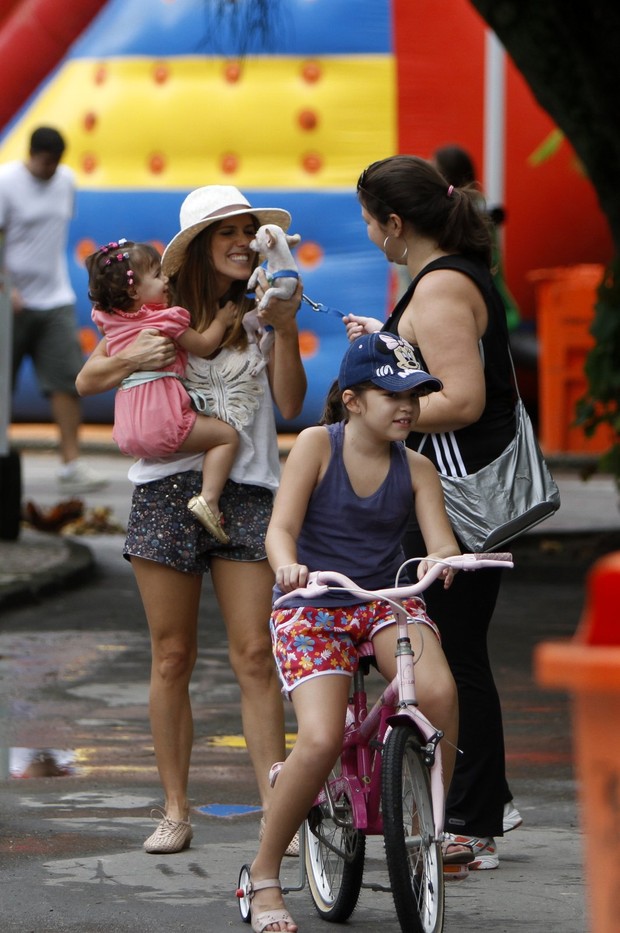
(511, 494)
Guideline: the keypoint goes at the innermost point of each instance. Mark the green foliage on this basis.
(601, 403)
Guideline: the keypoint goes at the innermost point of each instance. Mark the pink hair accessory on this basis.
(450, 191)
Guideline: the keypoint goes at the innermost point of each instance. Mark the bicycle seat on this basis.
(366, 656)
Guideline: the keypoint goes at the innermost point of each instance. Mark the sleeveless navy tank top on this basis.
(456, 453)
(357, 536)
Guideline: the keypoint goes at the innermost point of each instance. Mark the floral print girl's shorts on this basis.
(308, 641)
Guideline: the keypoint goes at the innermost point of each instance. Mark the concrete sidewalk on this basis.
(75, 663)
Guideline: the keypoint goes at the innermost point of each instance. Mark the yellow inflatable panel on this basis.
(255, 123)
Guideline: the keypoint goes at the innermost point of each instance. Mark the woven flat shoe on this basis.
(170, 836)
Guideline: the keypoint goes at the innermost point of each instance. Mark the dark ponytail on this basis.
(333, 408)
(418, 193)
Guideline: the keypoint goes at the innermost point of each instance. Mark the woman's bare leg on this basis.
(170, 599)
(243, 591)
(320, 706)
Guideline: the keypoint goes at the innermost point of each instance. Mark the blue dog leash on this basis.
(294, 274)
(323, 309)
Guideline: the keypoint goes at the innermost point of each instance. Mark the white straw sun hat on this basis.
(210, 205)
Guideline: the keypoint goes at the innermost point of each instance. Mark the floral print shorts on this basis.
(161, 527)
(309, 641)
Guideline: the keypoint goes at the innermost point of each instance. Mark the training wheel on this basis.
(244, 900)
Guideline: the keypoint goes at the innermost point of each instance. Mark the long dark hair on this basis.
(418, 193)
(194, 287)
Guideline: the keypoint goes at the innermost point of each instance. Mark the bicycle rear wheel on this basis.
(412, 852)
(335, 853)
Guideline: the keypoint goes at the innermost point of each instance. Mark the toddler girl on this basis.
(153, 414)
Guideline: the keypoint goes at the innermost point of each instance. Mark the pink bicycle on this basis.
(388, 781)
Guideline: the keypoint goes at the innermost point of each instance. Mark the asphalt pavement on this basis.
(74, 659)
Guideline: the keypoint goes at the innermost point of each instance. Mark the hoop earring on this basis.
(400, 258)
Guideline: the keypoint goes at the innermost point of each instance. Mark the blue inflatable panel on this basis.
(192, 27)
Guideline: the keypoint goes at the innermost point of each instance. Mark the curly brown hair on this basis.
(115, 269)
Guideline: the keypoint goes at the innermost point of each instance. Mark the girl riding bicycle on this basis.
(347, 489)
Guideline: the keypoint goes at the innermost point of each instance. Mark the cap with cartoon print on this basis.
(387, 361)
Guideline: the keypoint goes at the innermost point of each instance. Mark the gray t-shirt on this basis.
(35, 216)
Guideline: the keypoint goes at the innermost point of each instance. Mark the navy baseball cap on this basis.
(386, 360)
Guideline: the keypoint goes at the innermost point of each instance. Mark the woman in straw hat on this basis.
(208, 264)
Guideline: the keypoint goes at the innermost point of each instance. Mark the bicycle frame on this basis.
(360, 780)
(361, 768)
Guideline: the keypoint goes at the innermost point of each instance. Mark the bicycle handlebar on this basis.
(321, 582)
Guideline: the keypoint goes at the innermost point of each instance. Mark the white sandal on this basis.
(266, 917)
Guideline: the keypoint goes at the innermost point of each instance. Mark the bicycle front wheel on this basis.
(335, 853)
(413, 854)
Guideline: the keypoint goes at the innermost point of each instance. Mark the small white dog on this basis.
(275, 245)
(282, 277)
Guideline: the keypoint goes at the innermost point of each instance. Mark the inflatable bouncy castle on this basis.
(157, 98)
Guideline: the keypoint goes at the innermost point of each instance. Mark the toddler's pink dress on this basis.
(151, 419)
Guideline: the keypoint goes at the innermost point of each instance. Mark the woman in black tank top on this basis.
(454, 317)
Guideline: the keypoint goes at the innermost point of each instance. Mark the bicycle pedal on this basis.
(455, 872)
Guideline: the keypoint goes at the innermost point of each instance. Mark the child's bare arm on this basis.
(299, 477)
(205, 343)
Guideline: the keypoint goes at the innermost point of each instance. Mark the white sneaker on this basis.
(483, 847)
(79, 477)
(512, 817)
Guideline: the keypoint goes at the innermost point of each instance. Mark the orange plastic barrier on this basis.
(588, 667)
(565, 300)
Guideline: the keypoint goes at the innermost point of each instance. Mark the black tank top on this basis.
(466, 450)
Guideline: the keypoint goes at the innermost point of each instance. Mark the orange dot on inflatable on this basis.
(161, 73)
(312, 162)
(90, 121)
(308, 120)
(308, 343)
(229, 163)
(158, 245)
(83, 249)
(89, 163)
(309, 255)
(311, 72)
(157, 163)
(101, 73)
(232, 72)
(88, 340)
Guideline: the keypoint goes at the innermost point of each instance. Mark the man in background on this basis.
(36, 206)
